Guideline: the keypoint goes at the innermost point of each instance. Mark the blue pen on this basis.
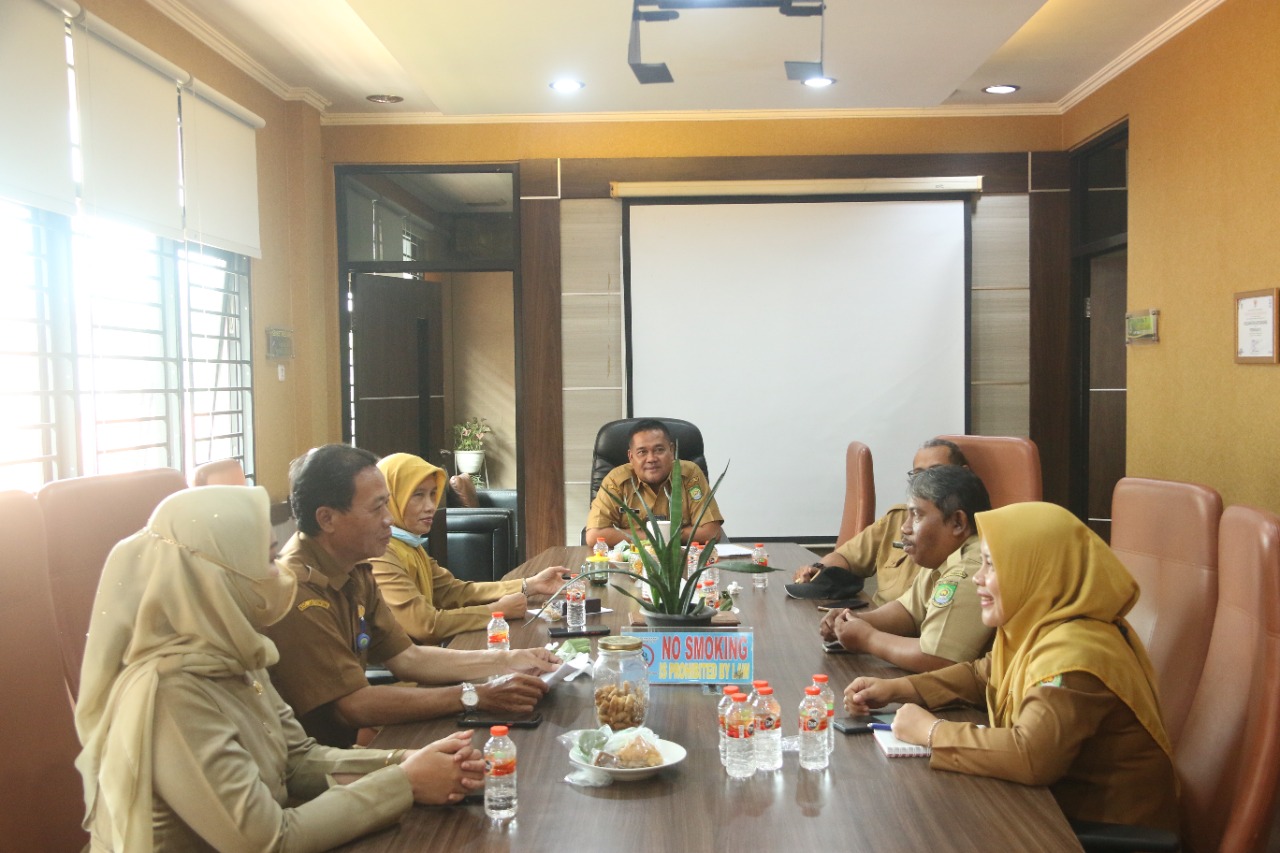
(880, 727)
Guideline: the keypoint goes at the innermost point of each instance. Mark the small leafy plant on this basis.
(470, 434)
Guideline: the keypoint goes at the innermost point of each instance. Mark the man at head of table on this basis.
(645, 479)
(938, 621)
(339, 623)
(871, 551)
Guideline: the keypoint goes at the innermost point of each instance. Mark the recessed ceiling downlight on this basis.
(819, 82)
(384, 99)
(567, 86)
(1002, 89)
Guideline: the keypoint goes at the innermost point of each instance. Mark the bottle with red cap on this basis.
(740, 751)
(768, 737)
(499, 775)
(822, 681)
(813, 730)
(760, 557)
(499, 633)
(722, 709)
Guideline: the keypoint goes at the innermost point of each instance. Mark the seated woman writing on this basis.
(1067, 685)
(429, 602)
(187, 746)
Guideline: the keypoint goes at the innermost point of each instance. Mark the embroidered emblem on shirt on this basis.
(696, 493)
(313, 602)
(944, 593)
(1056, 681)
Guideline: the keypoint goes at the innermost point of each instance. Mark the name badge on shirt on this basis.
(944, 593)
(313, 602)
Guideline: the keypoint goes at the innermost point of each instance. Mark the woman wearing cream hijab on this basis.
(187, 746)
(429, 602)
(1068, 687)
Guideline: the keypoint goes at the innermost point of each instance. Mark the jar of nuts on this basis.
(621, 683)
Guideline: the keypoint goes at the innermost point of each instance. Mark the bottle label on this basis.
(494, 766)
(770, 722)
(575, 594)
(739, 730)
(813, 723)
(497, 638)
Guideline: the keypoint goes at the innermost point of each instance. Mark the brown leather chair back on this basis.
(1008, 465)
(1166, 534)
(1228, 758)
(84, 518)
(43, 802)
(222, 472)
(859, 492)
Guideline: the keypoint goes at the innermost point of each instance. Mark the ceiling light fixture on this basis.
(819, 82)
(566, 86)
(384, 99)
(1002, 89)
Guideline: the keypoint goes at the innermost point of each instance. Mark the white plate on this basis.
(672, 754)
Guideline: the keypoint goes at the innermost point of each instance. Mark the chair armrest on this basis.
(481, 543)
(1123, 838)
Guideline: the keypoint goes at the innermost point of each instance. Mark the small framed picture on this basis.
(1256, 326)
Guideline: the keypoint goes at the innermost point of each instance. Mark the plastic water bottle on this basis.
(822, 682)
(755, 691)
(575, 604)
(601, 548)
(722, 710)
(739, 749)
(760, 557)
(768, 738)
(691, 560)
(499, 633)
(499, 775)
(813, 730)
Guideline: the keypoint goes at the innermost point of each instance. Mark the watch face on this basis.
(469, 697)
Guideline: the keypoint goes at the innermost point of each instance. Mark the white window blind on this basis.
(220, 171)
(35, 137)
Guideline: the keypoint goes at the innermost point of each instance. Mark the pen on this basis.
(880, 727)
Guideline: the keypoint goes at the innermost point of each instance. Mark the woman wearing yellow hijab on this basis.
(187, 746)
(1068, 687)
(429, 602)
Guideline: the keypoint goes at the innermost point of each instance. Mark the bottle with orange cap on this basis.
(499, 775)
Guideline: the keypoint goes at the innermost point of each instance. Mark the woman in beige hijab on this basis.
(1068, 687)
(187, 746)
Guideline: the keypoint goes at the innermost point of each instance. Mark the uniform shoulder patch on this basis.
(313, 602)
(944, 592)
(1056, 681)
(696, 493)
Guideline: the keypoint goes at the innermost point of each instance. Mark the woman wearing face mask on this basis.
(1067, 685)
(187, 746)
(429, 602)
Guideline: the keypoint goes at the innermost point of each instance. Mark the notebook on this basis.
(895, 748)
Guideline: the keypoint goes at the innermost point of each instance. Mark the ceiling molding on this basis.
(220, 45)
(1133, 55)
(959, 111)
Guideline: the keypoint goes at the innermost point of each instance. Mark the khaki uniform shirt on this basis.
(623, 483)
(320, 659)
(943, 602)
(251, 759)
(1071, 733)
(871, 552)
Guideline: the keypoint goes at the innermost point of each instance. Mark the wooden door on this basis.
(1107, 297)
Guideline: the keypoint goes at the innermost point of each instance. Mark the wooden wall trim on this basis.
(539, 383)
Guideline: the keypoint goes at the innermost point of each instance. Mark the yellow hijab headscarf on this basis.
(184, 594)
(1065, 595)
(404, 472)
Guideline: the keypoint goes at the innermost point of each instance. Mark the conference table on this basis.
(862, 801)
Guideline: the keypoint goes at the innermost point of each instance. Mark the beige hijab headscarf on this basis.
(184, 594)
(1065, 595)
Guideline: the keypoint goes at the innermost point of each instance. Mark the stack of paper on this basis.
(895, 748)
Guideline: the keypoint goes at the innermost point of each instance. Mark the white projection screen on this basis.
(785, 330)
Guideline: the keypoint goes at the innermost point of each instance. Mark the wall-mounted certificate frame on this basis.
(1256, 326)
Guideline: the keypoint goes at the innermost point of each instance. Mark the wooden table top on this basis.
(863, 801)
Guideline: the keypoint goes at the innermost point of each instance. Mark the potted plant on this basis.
(468, 444)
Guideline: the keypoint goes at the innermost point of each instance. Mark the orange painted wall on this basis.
(1204, 215)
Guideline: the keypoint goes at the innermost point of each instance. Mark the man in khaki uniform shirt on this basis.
(871, 550)
(938, 621)
(339, 623)
(646, 479)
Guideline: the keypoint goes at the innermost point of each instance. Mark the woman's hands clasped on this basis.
(445, 771)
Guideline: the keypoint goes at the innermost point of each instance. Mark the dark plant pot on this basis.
(698, 619)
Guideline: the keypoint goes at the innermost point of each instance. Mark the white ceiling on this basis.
(473, 59)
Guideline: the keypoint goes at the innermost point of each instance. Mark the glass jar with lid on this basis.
(621, 683)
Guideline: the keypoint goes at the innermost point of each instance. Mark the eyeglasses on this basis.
(912, 473)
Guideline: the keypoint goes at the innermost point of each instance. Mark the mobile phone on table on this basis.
(833, 647)
(483, 720)
(558, 633)
(860, 724)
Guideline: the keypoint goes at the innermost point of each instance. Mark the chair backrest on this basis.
(222, 472)
(613, 440)
(859, 492)
(84, 518)
(1166, 534)
(1008, 465)
(480, 542)
(43, 802)
(1228, 758)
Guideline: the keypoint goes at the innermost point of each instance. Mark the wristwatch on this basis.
(469, 697)
(524, 587)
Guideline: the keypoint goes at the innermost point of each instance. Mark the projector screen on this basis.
(785, 330)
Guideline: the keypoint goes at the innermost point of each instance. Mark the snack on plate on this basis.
(634, 754)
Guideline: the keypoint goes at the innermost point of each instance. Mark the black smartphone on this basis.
(558, 633)
(483, 720)
(859, 725)
(833, 647)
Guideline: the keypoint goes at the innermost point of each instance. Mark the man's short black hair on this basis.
(951, 488)
(957, 455)
(650, 425)
(325, 476)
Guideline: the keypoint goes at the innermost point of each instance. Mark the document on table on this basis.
(726, 551)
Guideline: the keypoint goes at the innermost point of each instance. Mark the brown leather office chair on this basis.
(1008, 465)
(1166, 534)
(43, 802)
(221, 472)
(859, 492)
(84, 518)
(1229, 755)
